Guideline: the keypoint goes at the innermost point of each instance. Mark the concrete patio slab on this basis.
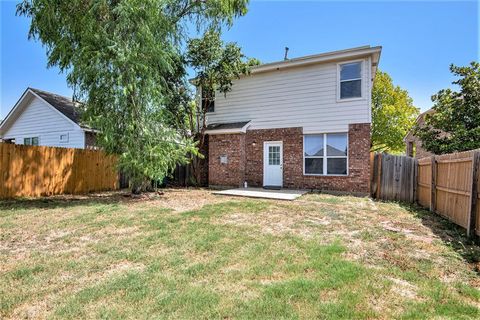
(282, 194)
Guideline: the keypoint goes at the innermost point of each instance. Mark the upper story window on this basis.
(33, 141)
(208, 100)
(350, 80)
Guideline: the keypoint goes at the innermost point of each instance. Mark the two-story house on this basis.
(298, 123)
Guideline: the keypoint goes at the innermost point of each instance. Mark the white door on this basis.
(273, 163)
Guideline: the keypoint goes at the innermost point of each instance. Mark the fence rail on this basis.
(32, 171)
(448, 185)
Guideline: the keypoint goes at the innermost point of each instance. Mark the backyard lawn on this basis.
(191, 254)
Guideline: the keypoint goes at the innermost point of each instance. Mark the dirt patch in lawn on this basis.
(194, 253)
(277, 220)
(181, 200)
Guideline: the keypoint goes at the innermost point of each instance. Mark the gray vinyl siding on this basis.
(40, 120)
(297, 97)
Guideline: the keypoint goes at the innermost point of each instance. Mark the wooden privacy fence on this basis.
(393, 177)
(31, 171)
(448, 185)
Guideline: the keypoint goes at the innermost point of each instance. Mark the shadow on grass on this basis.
(450, 233)
(67, 201)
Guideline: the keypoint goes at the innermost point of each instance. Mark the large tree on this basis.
(455, 124)
(216, 65)
(393, 114)
(123, 59)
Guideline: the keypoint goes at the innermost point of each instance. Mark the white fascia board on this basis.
(13, 110)
(324, 57)
(319, 58)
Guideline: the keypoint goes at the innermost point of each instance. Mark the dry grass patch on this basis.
(191, 254)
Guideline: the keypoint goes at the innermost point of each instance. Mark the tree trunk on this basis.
(141, 186)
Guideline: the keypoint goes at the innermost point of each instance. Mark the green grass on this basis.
(321, 257)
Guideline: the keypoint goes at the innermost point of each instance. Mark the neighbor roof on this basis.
(417, 121)
(63, 104)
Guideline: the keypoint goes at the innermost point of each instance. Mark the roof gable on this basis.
(61, 105)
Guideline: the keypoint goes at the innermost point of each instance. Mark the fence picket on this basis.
(433, 188)
(448, 185)
(471, 225)
(393, 177)
(32, 171)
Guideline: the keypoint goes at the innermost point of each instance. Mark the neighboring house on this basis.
(413, 144)
(298, 123)
(46, 119)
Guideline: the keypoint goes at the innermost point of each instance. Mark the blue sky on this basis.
(420, 39)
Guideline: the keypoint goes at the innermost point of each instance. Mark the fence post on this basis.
(372, 173)
(415, 181)
(433, 190)
(379, 175)
(474, 194)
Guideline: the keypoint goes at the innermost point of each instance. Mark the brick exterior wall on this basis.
(414, 148)
(413, 144)
(233, 172)
(230, 174)
(292, 139)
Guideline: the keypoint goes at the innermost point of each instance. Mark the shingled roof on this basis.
(63, 104)
(231, 125)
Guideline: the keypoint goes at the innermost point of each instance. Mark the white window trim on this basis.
(362, 79)
(64, 141)
(38, 139)
(325, 157)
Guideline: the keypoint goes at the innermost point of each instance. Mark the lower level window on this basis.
(325, 154)
(33, 141)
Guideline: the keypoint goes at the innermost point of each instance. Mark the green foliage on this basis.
(216, 64)
(455, 124)
(123, 60)
(393, 115)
